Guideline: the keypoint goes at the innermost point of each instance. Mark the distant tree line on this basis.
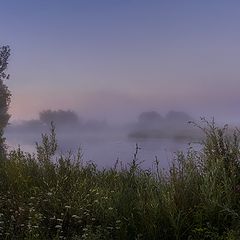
(64, 120)
(153, 117)
(174, 124)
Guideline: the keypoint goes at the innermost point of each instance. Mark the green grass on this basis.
(42, 197)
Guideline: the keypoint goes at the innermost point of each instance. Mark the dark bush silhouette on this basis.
(151, 116)
(59, 117)
(174, 125)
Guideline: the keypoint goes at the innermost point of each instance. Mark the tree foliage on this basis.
(149, 117)
(4, 94)
(59, 117)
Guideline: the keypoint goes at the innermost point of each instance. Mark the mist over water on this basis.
(115, 60)
(104, 143)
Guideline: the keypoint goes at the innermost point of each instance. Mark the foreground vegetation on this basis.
(47, 197)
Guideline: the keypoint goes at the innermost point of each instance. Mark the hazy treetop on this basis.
(151, 116)
(59, 117)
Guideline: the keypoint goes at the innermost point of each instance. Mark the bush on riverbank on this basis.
(42, 197)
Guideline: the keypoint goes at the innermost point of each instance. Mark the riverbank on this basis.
(65, 198)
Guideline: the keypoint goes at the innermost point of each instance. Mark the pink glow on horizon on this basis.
(122, 106)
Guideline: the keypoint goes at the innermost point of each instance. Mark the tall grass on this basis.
(47, 197)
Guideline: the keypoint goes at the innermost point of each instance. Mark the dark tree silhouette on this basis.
(150, 117)
(4, 95)
(59, 117)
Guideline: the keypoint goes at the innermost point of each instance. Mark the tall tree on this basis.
(5, 95)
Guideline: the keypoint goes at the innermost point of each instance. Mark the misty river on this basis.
(106, 149)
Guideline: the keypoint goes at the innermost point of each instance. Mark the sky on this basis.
(113, 59)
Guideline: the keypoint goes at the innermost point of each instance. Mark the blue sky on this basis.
(112, 59)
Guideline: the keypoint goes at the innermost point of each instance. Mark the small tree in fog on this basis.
(59, 117)
(4, 94)
(150, 117)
